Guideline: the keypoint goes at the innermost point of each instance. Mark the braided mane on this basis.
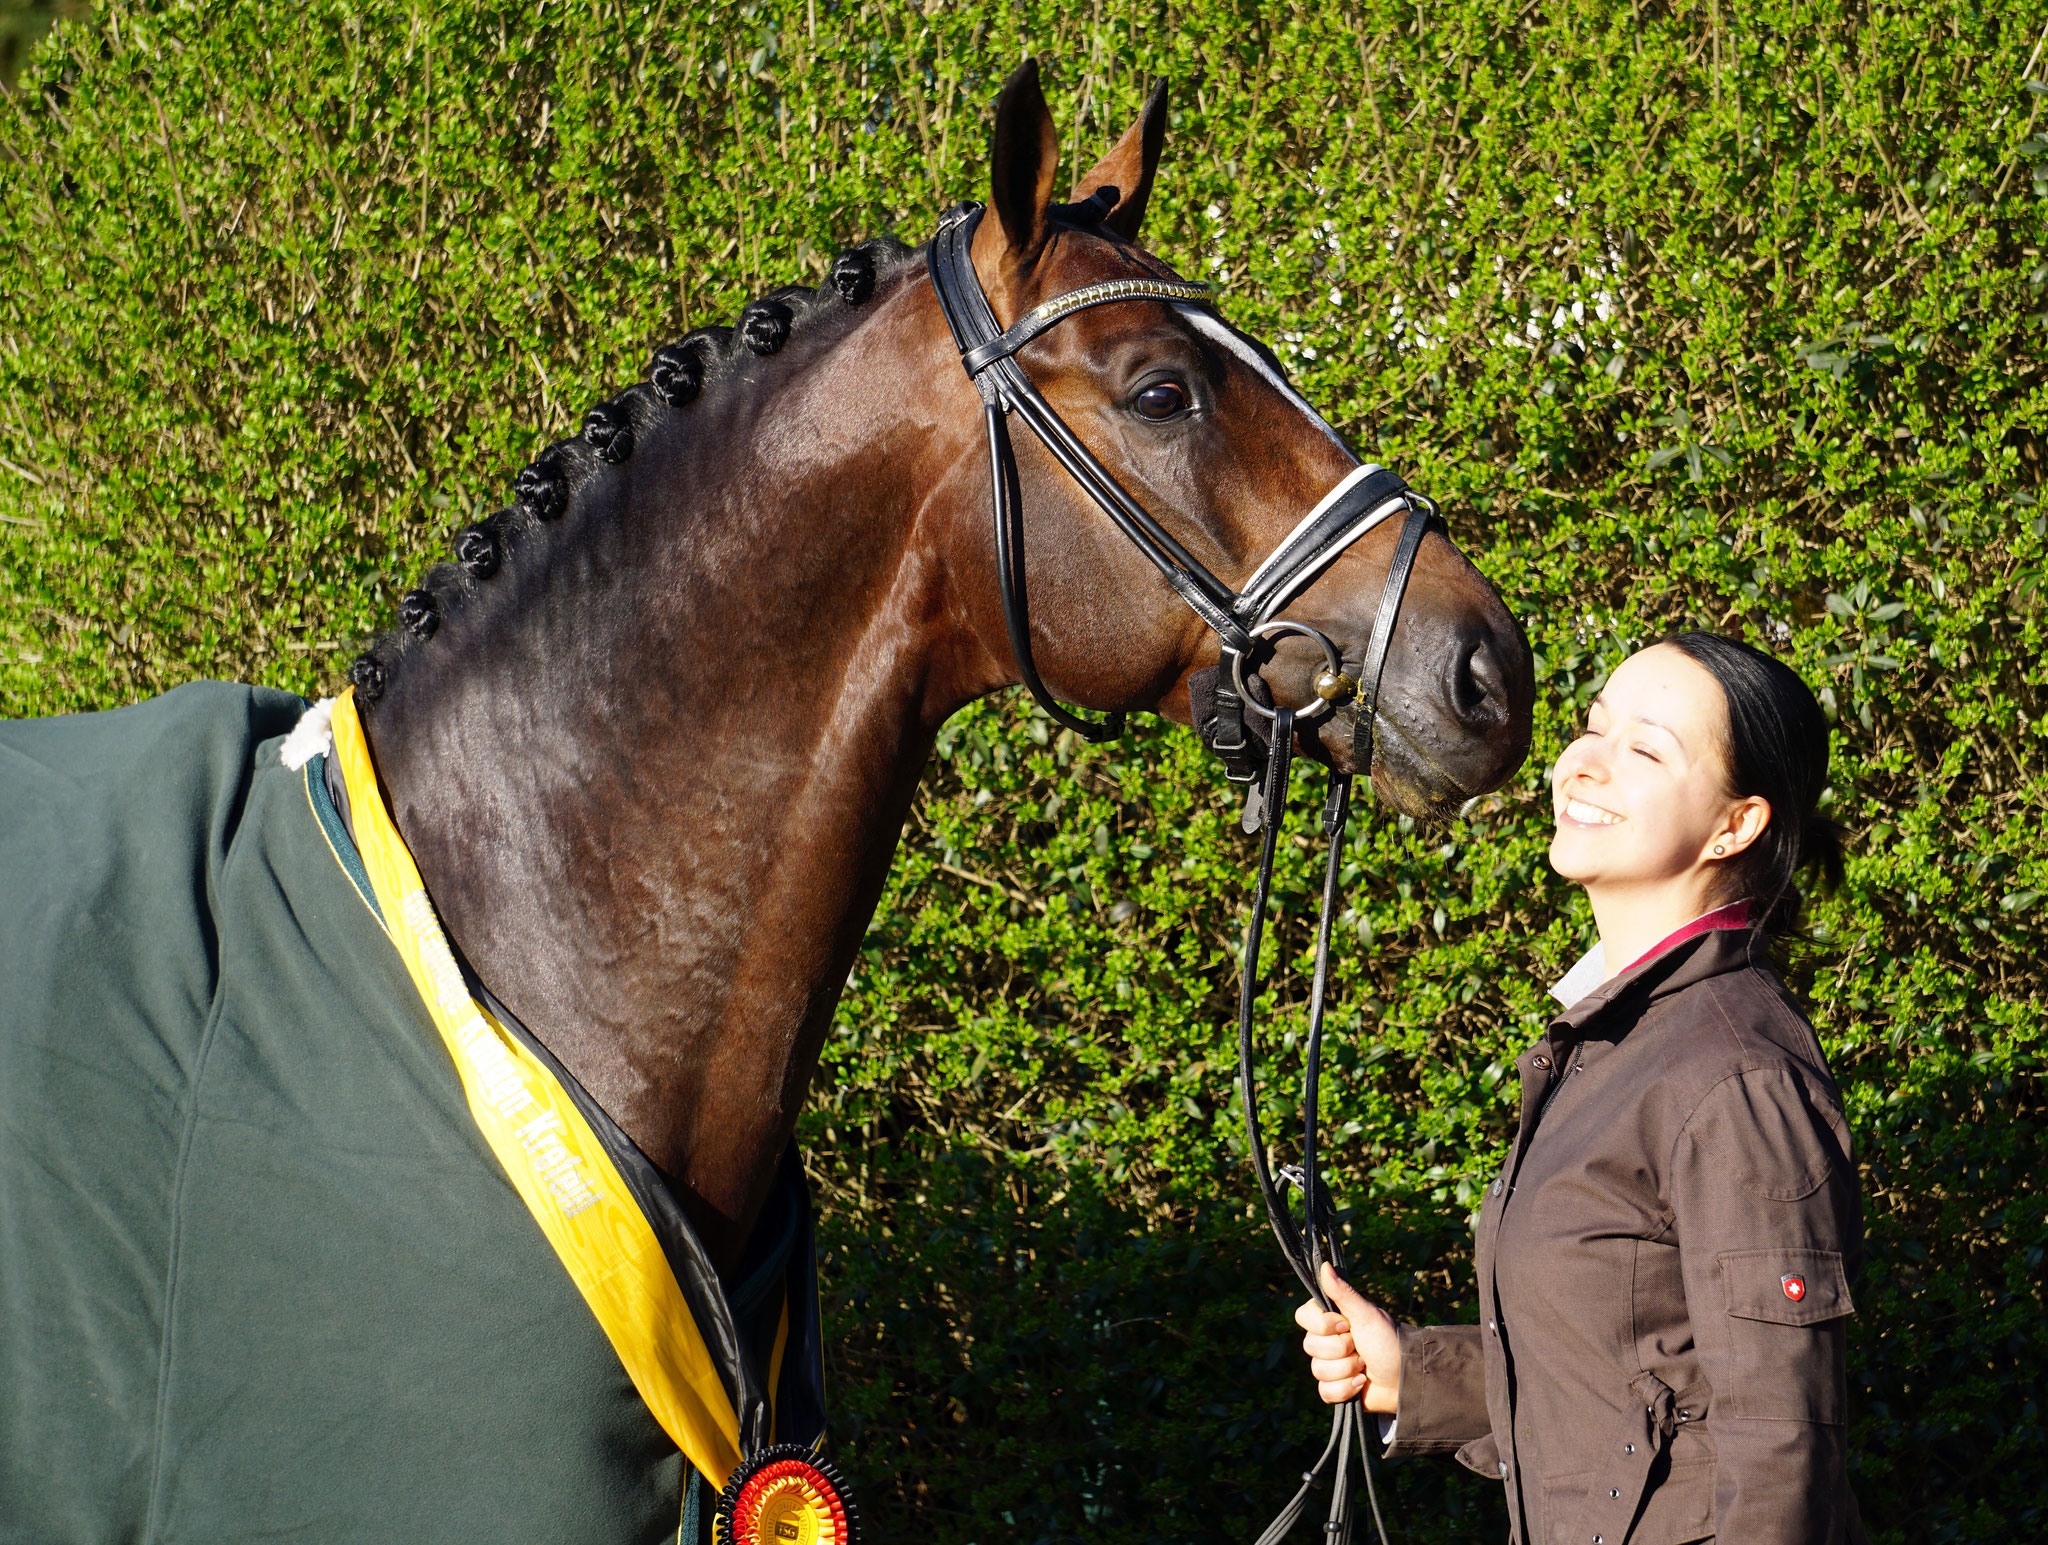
(550, 486)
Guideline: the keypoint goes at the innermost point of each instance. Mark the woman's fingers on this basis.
(1330, 1346)
(1334, 1362)
(1353, 1351)
(1376, 1345)
(1336, 1391)
(1317, 1320)
(1370, 1326)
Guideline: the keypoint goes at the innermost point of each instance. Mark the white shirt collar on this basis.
(1583, 977)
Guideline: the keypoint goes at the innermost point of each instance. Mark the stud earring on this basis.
(1719, 851)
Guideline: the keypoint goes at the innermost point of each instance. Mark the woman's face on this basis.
(1641, 797)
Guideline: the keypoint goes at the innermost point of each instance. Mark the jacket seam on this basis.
(1670, 1158)
(1778, 1011)
(1773, 1065)
(1635, 1273)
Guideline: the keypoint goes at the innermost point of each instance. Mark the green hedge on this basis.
(1687, 317)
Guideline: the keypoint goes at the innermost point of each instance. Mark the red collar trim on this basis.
(1734, 915)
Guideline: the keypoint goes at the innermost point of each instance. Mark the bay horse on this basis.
(651, 741)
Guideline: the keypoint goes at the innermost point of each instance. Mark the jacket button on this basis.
(1491, 1326)
(1496, 1185)
(1503, 1469)
(1628, 1448)
(1614, 1491)
(1541, 1061)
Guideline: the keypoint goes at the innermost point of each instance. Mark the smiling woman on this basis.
(1674, 1233)
(1695, 783)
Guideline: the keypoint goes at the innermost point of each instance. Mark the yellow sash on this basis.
(555, 1162)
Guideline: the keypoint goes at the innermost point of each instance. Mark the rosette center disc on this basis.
(793, 1511)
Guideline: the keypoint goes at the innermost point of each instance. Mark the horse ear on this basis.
(1129, 167)
(1023, 162)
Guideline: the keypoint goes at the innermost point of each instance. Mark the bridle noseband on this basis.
(1244, 622)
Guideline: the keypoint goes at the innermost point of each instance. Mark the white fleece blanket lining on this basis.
(312, 736)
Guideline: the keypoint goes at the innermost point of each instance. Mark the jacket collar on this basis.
(1591, 969)
(1664, 972)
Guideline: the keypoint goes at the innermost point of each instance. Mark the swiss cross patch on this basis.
(1795, 1287)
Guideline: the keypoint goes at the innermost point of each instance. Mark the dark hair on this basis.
(1777, 750)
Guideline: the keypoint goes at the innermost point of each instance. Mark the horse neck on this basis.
(656, 802)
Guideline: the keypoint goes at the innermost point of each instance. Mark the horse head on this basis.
(1201, 425)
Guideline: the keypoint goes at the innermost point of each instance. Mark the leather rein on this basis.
(1244, 622)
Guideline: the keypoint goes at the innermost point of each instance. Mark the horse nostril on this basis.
(1478, 690)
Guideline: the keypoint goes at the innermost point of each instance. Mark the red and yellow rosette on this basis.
(785, 1495)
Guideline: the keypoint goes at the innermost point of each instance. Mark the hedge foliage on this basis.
(23, 24)
(1688, 317)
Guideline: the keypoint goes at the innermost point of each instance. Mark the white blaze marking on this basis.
(1214, 328)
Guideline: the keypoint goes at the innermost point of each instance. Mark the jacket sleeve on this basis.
(1766, 1212)
(1442, 1409)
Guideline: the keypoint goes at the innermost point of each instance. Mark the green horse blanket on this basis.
(261, 1277)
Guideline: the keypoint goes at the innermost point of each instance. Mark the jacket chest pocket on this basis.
(1785, 1331)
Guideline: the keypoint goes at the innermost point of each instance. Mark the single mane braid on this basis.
(853, 276)
(677, 370)
(476, 549)
(368, 677)
(609, 431)
(540, 490)
(765, 325)
(419, 613)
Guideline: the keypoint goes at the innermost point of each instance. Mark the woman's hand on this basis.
(1355, 1351)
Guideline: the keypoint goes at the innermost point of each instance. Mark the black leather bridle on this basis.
(1244, 623)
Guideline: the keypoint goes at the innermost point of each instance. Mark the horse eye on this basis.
(1162, 399)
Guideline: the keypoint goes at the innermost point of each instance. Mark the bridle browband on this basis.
(1244, 622)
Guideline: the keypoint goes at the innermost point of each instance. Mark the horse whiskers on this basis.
(1438, 808)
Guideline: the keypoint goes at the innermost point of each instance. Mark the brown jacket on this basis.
(1664, 1269)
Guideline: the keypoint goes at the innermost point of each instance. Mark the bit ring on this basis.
(1334, 697)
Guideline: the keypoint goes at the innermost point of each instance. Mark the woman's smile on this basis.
(1651, 758)
(1580, 813)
